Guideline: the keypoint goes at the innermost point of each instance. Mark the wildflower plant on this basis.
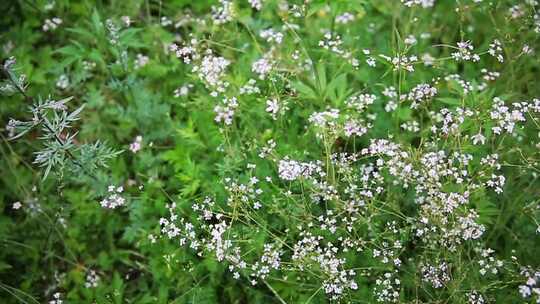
(280, 152)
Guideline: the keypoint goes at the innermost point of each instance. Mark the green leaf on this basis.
(449, 101)
(305, 90)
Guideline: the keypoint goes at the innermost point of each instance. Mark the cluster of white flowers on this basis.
(422, 3)
(49, 6)
(531, 288)
(536, 21)
(16, 206)
(496, 182)
(92, 279)
(410, 40)
(421, 93)
(244, 192)
(437, 275)
(271, 35)
(465, 52)
(527, 49)
(355, 127)
(211, 70)
(309, 249)
(495, 50)
(291, 170)
(326, 120)
(465, 85)
(168, 226)
(402, 62)
(387, 288)
(62, 82)
(140, 61)
(411, 126)
(451, 120)
(389, 253)
(270, 259)
(428, 59)
(113, 31)
(30, 205)
(219, 244)
(225, 111)
(88, 65)
(340, 281)
(187, 53)
(57, 299)
(505, 117)
(136, 145)
(360, 102)
(268, 149)
(165, 21)
(489, 76)
(262, 66)
(468, 228)
(183, 90)
(478, 138)
(114, 198)
(516, 11)
(11, 127)
(474, 297)
(488, 263)
(333, 43)
(272, 107)
(370, 60)
(51, 24)
(250, 88)
(223, 13)
(391, 93)
(345, 18)
(256, 4)
(126, 20)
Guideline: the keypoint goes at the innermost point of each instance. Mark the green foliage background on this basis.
(72, 233)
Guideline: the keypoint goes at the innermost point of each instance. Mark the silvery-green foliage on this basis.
(55, 122)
